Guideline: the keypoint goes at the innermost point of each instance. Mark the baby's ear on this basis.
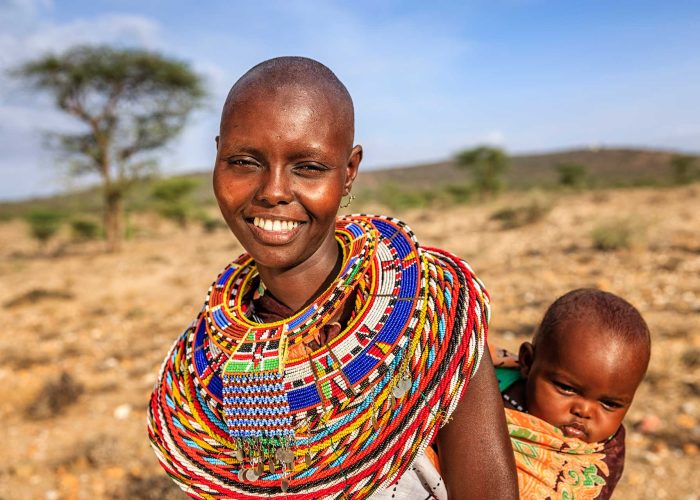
(526, 356)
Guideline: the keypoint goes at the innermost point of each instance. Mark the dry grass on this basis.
(116, 315)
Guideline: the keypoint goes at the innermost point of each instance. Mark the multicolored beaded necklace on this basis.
(233, 415)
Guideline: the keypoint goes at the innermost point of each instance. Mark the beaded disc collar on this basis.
(234, 416)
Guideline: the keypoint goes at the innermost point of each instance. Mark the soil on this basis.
(86, 331)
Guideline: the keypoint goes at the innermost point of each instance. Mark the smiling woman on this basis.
(327, 360)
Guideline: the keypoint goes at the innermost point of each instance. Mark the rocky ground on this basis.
(85, 332)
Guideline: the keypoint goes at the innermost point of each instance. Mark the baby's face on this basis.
(585, 385)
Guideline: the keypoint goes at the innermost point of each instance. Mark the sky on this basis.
(428, 78)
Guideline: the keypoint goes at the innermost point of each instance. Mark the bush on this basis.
(84, 229)
(683, 169)
(615, 235)
(459, 193)
(44, 224)
(518, 216)
(173, 198)
(211, 224)
(487, 166)
(572, 174)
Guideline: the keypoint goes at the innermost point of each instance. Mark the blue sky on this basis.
(428, 78)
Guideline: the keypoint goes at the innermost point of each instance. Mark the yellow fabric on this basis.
(551, 465)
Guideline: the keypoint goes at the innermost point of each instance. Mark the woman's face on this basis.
(284, 161)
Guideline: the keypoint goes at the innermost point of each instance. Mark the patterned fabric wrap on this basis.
(423, 324)
(551, 465)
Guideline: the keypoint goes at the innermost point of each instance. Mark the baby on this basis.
(580, 374)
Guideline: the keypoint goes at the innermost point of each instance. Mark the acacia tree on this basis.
(486, 165)
(132, 102)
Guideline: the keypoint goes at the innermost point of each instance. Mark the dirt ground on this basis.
(85, 332)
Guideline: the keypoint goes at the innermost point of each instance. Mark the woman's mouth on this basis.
(275, 225)
(575, 430)
(272, 231)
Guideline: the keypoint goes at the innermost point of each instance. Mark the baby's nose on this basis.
(582, 408)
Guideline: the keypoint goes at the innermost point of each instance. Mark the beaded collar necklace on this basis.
(234, 415)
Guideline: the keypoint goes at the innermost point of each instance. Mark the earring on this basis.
(347, 203)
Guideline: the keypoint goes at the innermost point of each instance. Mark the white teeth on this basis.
(274, 225)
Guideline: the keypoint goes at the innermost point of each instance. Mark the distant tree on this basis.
(571, 174)
(683, 167)
(43, 224)
(487, 166)
(173, 198)
(132, 102)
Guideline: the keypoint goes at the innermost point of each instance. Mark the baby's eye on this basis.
(566, 389)
(611, 405)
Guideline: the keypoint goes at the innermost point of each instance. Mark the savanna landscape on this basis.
(86, 329)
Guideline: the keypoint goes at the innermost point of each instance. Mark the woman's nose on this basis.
(275, 187)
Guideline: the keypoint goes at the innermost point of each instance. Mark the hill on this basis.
(605, 168)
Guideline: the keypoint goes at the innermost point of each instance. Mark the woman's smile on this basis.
(274, 231)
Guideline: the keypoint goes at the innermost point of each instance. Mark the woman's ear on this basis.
(352, 168)
(526, 357)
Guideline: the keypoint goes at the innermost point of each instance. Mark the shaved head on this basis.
(301, 75)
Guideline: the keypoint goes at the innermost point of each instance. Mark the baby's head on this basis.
(587, 359)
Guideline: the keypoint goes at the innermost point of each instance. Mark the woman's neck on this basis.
(298, 286)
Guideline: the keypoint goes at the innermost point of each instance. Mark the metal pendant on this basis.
(284, 485)
(241, 475)
(401, 388)
(375, 422)
(307, 459)
(251, 475)
(259, 469)
(405, 384)
(285, 456)
(238, 454)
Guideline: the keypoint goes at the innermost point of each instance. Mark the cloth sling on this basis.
(549, 464)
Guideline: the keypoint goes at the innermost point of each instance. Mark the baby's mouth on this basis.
(575, 430)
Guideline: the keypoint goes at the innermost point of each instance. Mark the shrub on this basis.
(572, 174)
(459, 193)
(518, 216)
(683, 168)
(173, 198)
(211, 224)
(615, 235)
(487, 165)
(84, 229)
(44, 224)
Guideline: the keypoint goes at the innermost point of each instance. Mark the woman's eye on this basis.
(310, 168)
(242, 162)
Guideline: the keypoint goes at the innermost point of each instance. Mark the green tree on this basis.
(571, 174)
(487, 166)
(683, 168)
(43, 224)
(173, 196)
(131, 102)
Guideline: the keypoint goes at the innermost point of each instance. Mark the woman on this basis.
(328, 356)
